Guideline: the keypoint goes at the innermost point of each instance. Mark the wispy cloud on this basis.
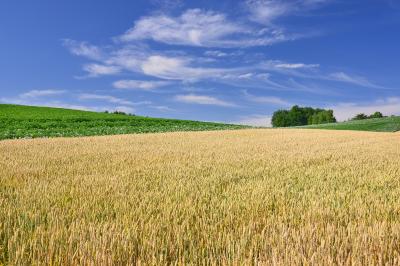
(296, 66)
(96, 70)
(266, 11)
(139, 84)
(215, 53)
(197, 27)
(313, 71)
(178, 68)
(353, 79)
(83, 49)
(203, 99)
(41, 93)
(109, 98)
(281, 66)
(256, 120)
(272, 100)
(167, 4)
(163, 108)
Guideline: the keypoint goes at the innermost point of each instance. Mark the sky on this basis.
(225, 61)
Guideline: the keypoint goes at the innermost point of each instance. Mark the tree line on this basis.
(301, 116)
(364, 116)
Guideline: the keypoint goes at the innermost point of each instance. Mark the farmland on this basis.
(32, 122)
(282, 196)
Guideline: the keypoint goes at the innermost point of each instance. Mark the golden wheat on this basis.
(203, 198)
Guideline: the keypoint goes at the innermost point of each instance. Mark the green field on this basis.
(386, 124)
(18, 121)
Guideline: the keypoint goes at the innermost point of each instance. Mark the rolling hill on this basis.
(386, 124)
(17, 121)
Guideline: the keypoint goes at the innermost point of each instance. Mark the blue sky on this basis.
(228, 61)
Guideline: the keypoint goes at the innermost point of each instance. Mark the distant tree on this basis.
(299, 116)
(360, 117)
(281, 119)
(119, 113)
(106, 111)
(323, 117)
(376, 115)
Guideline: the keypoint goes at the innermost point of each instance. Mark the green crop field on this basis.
(32, 122)
(386, 124)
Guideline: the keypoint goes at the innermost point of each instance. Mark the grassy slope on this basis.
(27, 121)
(387, 124)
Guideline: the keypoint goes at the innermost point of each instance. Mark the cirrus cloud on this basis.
(139, 84)
(203, 99)
(197, 27)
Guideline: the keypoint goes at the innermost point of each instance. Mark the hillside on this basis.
(18, 121)
(387, 124)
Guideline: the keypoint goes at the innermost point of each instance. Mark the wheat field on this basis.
(245, 197)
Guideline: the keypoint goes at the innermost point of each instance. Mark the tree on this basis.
(281, 118)
(299, 116)
(376, 115)
(360, 117)
(323, 117)
(119, 112)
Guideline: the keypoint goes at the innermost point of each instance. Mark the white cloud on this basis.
(246, 76)
(83, 49)
(163, 108)
(281, 66)
(312, 71)
(266, 99)
(265, 11)
(202, 99)
(129, 57)
(107, 98)
(41, 93)
(177, 68)
(95, 70)
(357, 80)
(167, 4)
(254, 120)
(388, 106)
(215, 53)
(196, 27)
(139, 84)
(296, 66)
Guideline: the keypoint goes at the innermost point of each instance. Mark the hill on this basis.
(386, 124)
(17, 121)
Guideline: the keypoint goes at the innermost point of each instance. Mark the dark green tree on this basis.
(300, 116)
(281, 119)
(360, 117)
(323, 117)
(376, 115)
